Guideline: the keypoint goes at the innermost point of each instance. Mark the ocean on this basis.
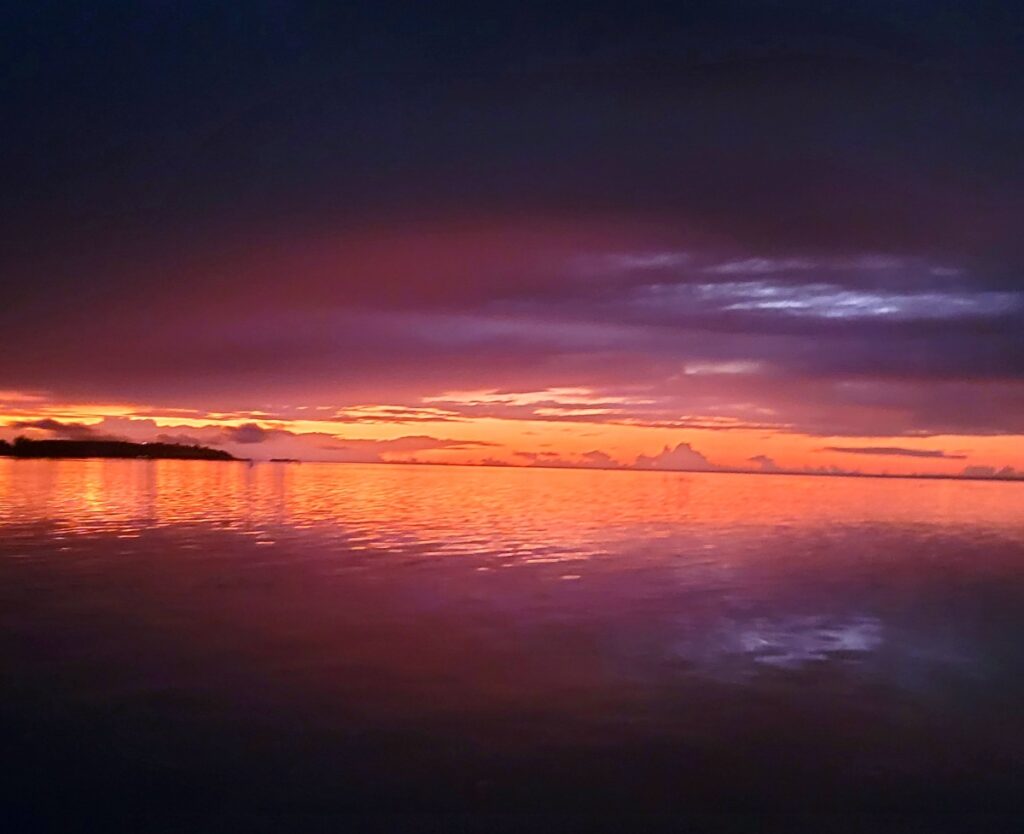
(211, 641)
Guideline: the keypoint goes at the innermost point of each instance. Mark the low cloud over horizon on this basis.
(895, 451)
(250, 440)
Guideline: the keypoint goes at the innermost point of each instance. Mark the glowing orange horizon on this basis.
(574, 433)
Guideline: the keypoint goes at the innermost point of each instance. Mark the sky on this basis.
(736, 235)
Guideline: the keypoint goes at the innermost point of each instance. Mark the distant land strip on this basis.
(24, 447)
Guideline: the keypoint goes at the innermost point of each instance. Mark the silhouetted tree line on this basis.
(23, 447)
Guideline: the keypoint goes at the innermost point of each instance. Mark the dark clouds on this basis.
(751, 116)
(765, 463)
(896, 451)
(249, 433)
(878, 346)
(1007, 472)
(309, 444)
(784, 214)
(250, 440)
(61, 430)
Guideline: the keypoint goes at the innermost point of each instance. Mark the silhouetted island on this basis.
(23, 447)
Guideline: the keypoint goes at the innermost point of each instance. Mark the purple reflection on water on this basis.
(186, 636)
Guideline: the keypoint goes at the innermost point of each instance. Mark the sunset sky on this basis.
(740, 237)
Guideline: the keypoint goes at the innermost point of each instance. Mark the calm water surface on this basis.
(222, 639)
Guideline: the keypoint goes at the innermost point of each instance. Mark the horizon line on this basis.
(923, 476)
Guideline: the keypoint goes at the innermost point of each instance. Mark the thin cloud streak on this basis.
(895, 451)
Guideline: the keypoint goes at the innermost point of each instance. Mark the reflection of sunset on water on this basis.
(450, 504)
(339, 612)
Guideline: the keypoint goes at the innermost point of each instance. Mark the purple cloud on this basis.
(63, 431)
(248, 433)
(990, 472)
(765, 463)
(897, 451)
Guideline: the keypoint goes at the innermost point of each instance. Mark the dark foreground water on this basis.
(213, 645)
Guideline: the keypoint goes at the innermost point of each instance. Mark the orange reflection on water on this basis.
(467, 508)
